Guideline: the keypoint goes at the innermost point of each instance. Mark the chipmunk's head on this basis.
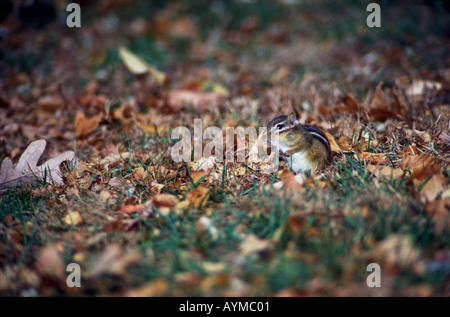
(280, 129)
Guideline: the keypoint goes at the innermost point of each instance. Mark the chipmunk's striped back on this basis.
(316, 133)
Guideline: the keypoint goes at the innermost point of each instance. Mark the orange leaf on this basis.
(198, 196)
(373, 158)
(199, 99)
(140, 174)
(344, 145)
(128, 209)
(84, 126)
(197, 175)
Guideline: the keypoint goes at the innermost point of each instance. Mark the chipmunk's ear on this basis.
(292, 118)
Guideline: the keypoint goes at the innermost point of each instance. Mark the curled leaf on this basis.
(27, 172)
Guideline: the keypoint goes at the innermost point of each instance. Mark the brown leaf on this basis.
(381, 110)
(150, 128)
(164, 200)
(140, 174)
(372, 158)
(344, 145)
(350, 105)
(50, 103)
(197, 175)
(427, 173)
(84, 126)
(291, 181)
(128, 209)
(385, 171)
(434, 186)
(198, 197)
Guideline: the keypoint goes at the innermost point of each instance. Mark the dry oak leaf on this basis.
(372, 158)
(381, 110)
(27, 172)
(348, 104)
(84, 126)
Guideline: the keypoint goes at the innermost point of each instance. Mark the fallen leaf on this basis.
(344, 145)
(252, 244)
(73, 218)
(164, 203)
(421, 166)
(27, 172)
(140, 174)
(372, 158)
(197, 175)
(380, 109)
(128, 209)
(418, 87)
(291, 181)
(385, 171)
(50, 103)
(138, 66)
(205, 164)
(115, 182)
(199, 99)
(84, 126)
(198, 197)
(348, 104)
(433, 186)
(150, 128)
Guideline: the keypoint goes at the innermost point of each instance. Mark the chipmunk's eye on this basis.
(280, 126)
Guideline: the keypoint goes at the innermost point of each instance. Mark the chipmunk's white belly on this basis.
(299, 163)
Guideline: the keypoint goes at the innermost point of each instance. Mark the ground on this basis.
(139, 224)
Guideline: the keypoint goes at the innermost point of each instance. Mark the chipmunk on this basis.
(304, 147)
